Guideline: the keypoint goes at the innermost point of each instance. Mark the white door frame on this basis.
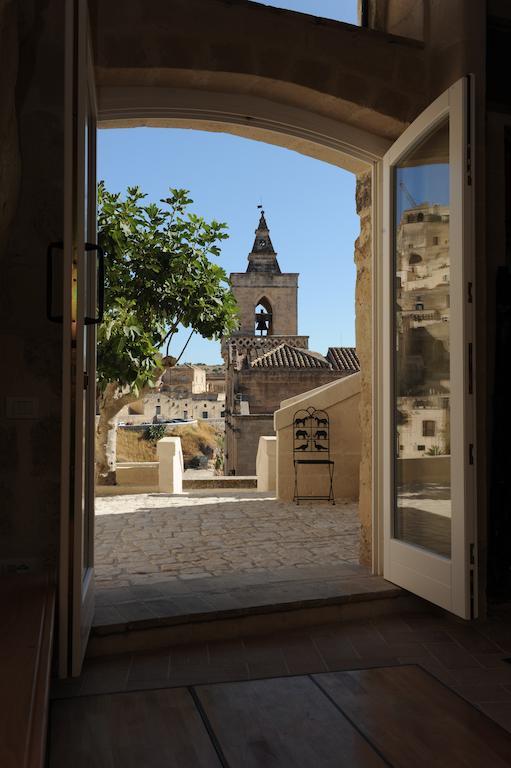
(450, 583)
(76, 578)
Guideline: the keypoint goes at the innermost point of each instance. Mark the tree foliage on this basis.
(159, 275)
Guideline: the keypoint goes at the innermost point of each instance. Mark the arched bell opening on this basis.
(263, 318)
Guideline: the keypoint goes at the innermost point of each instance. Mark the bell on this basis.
(262, 323)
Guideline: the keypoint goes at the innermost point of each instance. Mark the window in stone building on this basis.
(428, 428)
(263, 319)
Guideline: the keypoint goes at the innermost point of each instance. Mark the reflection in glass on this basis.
(422, 360)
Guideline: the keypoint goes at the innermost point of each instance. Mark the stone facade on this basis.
(164, 406)
(185, 392)
(182, 379)
(266, 362)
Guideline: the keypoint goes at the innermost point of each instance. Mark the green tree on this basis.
(158, 275)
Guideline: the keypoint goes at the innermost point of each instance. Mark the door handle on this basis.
(101, 284)
(57, 245)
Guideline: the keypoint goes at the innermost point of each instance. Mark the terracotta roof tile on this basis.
(286, 356)
(343, 359)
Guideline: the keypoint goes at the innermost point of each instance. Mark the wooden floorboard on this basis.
(146, 729)
(388, 716)
(282, 723)
(416, 721)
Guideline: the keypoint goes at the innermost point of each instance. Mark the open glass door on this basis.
(429, 530)
(83, 270)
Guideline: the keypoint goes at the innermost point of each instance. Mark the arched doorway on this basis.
(294, 117)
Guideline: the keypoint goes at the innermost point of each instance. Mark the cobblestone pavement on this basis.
(146, 538)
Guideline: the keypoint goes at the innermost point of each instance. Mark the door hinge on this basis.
(471, 453)
(469, 293)
(85, 380)
(470, 369)
(472, 595)
(472, 579)
(469, 165)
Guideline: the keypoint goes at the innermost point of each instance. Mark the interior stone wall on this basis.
(398, 17)
(9, 150)
(31, 195)
(363, 329)
(336, 70)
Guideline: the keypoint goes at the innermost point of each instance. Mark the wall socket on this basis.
(22, 408)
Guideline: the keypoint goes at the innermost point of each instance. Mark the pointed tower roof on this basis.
(262, 257)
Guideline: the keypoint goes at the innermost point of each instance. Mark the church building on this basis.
(267, 361)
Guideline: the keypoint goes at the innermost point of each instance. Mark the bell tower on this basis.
(267, 297)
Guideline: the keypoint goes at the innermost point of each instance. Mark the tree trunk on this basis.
(111, 401)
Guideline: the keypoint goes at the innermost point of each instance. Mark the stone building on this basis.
(423, 300)
(266, 360)
(163, 406)
(184, 393)
(215, 379)
(183, 379)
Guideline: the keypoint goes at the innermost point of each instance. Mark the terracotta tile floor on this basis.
(467, 657)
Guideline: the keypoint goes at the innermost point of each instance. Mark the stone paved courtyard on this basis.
(150, 538)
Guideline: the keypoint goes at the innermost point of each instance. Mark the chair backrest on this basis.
(311, 434)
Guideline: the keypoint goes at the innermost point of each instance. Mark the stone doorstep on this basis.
(206, 626)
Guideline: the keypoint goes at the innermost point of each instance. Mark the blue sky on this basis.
(341, 10)
(425, 184)
(310, 206)
(310, 209)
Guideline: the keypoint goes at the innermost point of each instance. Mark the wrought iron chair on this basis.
(311, 445)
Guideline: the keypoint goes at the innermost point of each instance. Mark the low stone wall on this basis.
(266, 464)
(340, 400)
(425, 469)
(219, 481)
(143, 473)
(142, 477)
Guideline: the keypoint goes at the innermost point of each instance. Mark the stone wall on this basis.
(281, 291)
(243, 450)
(363, 326)
(31, 216)
(265, 389)
(340, 400)
(337, 70)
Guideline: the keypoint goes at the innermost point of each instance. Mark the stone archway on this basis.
(118, 110)
(238, 85)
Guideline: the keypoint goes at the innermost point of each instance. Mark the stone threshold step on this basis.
(207, 626)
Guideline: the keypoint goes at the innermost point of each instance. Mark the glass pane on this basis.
(422, 360)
